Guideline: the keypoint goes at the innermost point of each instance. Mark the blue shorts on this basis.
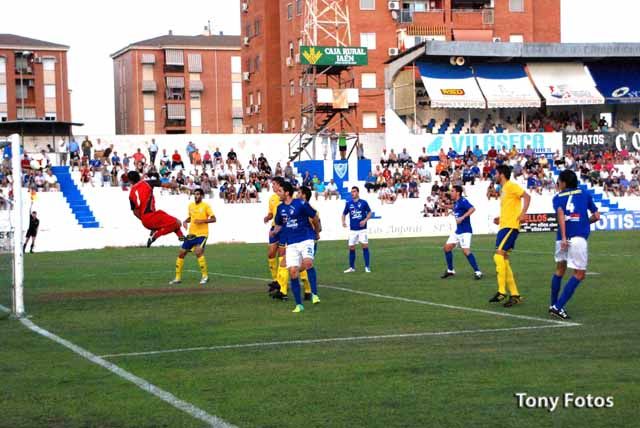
(275, 239)
(188, 244)
(506, 239)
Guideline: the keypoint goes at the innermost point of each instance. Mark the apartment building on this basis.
(386, 28)
(33, 79)
(179, 85)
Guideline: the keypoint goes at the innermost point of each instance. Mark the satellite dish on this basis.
(395, 15)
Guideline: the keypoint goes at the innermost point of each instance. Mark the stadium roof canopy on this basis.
(37, 128)
(513, 52)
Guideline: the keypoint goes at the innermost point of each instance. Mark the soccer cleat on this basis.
(447, 273)
(204, 280)
(307, 296)
(513, 300)
(350, 270)
(150, 241)
(279, 296)
(367, 270)
(273, 286)
(175, 282)
(181, 238)
(298, 308)
(315, 299)
(477, 275)
(498, 297)
(559, 313)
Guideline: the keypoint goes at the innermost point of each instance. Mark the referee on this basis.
(32, 232)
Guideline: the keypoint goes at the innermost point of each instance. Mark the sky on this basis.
(94, 30)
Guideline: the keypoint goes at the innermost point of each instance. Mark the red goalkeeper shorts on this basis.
(159, 220)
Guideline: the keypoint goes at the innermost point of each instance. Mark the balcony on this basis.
(472, 18)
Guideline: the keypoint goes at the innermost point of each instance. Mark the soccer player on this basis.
(462, 210)
(274, 247)
(200, 215)
(514, 203)
(359, 214)
(304, 194)
(144, 207)
(32, 231)
(572, 206)
(292, 218)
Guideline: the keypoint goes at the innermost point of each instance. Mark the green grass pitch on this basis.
(402, 363)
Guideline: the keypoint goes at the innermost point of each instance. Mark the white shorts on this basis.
(358, 237)
(577, 256)
(299, 251)
(463, 240)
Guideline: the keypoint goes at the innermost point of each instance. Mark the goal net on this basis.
(6, 255)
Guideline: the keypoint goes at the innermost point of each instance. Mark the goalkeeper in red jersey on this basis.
(144, 207)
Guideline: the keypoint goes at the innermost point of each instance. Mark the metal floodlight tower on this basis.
(326, 23)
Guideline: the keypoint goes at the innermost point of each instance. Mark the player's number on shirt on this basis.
(570, 206)
(138, 197)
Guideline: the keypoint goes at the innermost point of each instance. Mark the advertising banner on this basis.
(333, 55)
(547, 222)
(618, 220)
(598, 142)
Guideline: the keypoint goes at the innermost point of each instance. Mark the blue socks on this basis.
(295, 287)
(556, 283)
(365, 253)
(311, 273)
(352, 259)
(568, 291)
(472, 261)
(449, 257)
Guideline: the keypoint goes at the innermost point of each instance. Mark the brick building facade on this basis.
(33, 79)
(179, 85)
(386, 28)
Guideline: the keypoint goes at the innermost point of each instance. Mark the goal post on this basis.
(12, 266)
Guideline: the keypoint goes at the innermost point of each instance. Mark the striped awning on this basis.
(149, 86)
(196, 86)
(176, 112)
(426, 30)
(175, 82)
(174, 57)
(195, 63)
(148, 59)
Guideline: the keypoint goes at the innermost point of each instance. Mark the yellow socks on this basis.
(283, 279)
(511, 281)
(273, 268)
(179, 266)
(202, 262)
(304, 278)
(501, 272)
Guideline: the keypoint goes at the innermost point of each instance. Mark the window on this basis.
(236, 64)
(298, 7)
(3, 116)
(48, 64)
(368, 40)
(49, 91)
(247, 30)
(3, 94)
(237, 126)
(195, 95)
(21, 91)
(236, 91)
(420, 6)
(369, 120)
(285, 125)
(293, 124)
(368, 80)
(516, 38)
(51, 115)
(292, 88)
(259, 98)
(149, 115)
(257, 25)
(291, 51)
(3, 65)
(367, 4)
(196, 118)
(290, 11)
(257, 64)
(516, 5)
(250, 99)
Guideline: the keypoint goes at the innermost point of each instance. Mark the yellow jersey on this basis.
(201, 211)
(510, 205)
(274, 202)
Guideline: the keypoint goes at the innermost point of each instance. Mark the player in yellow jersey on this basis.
(512, 213)
(200, 215)
(279, 273)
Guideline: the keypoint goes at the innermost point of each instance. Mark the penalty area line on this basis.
(420, 302)
(336, 339)
(165, 396)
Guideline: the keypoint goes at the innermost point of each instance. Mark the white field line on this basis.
(420, 302)
(165, 396)
(335, 339)
(4, 309)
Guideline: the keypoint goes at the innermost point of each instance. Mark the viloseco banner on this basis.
(540, 223)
